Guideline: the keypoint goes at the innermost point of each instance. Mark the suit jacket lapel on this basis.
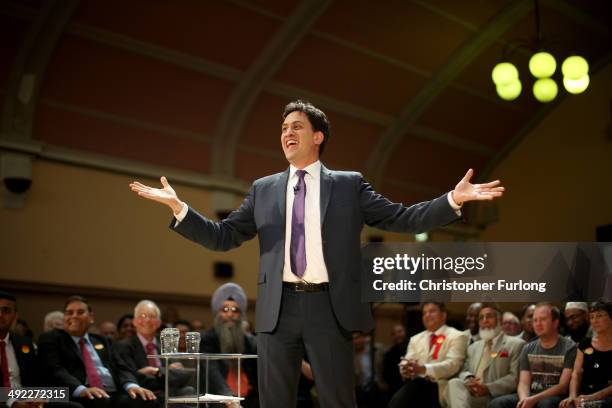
(325, 190)
(281, 193)
(140, 353)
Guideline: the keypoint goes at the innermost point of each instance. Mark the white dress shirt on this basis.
(11, 358)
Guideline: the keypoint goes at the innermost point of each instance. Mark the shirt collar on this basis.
(144, 341)
(77, 339)
(7, 337)
(439, 331)
(313, 169)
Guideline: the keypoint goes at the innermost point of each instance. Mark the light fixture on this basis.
(542, 66)
(545, 89)
(511, 91)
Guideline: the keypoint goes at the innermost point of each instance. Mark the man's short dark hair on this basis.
(123, 319)
(316, 117)
(77, 298)
(440, 305)
(9, 297)
(554, 310)
(601, 306)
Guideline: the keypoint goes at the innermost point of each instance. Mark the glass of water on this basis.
(192, 342)
(169, 340)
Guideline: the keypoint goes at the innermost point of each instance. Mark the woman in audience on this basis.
(592, 375)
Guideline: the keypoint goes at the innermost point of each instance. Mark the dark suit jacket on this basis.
(347, 203)
(130, 354)
(218, 369)
(63, 365)
(26, 360)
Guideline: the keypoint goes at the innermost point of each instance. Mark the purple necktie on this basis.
(297, 251)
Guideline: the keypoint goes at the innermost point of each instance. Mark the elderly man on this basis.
(577, 320)
(83, 362)
(53, 320)
(132, 352)
(434, 355)
(471, 322)
(229, 303)
(545, 365)
(511, 324)
(491, 367)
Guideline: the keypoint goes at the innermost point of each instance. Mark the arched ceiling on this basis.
(200, 85)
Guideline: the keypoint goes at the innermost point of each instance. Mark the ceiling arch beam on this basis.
(29, 66)
(255, 79)
(394, 134)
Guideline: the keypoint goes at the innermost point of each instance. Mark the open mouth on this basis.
(291, 143)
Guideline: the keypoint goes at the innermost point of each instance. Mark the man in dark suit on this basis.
(309, 221)
(227, 336)
(131, 353)
(83, 362)
(18, 365)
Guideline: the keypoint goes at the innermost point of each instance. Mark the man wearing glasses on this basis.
(227, 335)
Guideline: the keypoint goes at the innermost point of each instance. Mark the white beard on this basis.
(489, 334)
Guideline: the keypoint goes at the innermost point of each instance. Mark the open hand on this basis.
(466, 191)
(165, 195)
(143, 393)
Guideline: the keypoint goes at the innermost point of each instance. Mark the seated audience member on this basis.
(17, 354)
(83, 362)
(491, 366)
(183, 327)
(229, 302)
(576, 320)
(592, 375)
(545, 365)
(197, 325)
(471, 322)
(53, 320)
(125, 327)
(108, 329)
(133, 351)
(434, 356)
(22, 328)
(527, 323)
(511, 324)
(369, 386)
(391, 375)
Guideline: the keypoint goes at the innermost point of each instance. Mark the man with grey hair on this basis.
(229, 303)
(491, 367)
(53, 320)
(133, 352)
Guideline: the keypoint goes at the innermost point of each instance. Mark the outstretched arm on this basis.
(165, 195)
(465, 191)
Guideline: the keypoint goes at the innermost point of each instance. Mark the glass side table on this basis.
(190, 369)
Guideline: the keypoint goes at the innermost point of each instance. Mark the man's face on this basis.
(299, 141)
(433, 317)
(146, 320)
(471, 318)
(487, 318)
(543, 323)
(575, 319)
(398, 334)
(527, 319)
(230, 313)
(77, 318)
(510, 326)
(126, 329)
(108, 329)
(8, 314)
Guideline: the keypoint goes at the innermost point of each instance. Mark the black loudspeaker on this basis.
(604, 233)
(223, 270)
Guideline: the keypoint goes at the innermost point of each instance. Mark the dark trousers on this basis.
(419, 392)
(118, 399)
(306, 322)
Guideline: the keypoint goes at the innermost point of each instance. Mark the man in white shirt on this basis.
(308, 220)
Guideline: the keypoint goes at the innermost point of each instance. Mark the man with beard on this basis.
(491, 367)
(576, 320)
(229, 302)
(471, 322)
